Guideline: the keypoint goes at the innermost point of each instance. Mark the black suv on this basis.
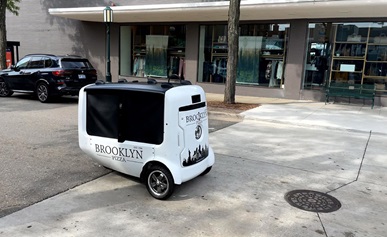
(47, 76)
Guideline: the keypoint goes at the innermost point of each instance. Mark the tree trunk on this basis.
(233, 46)
(3, 34)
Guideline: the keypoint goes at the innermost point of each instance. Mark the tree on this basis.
(233, 46)
(13, 8)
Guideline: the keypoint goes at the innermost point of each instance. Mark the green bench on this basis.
(356, 91)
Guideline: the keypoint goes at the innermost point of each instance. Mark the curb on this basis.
(225, 116)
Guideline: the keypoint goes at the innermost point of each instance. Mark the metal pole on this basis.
(108, 74)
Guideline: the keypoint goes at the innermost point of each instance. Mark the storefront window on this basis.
(318, 53)
(352, 53)
(153, 51)
(261, 56)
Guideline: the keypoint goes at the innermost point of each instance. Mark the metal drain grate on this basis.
(312, 201)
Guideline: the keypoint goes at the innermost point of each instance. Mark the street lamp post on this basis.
(108, 18)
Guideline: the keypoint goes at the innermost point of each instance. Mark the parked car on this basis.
(47, 76)
(154, 131)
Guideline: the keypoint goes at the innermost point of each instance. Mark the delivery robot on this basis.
(156, 131)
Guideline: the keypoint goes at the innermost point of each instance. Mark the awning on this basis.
(218, 11)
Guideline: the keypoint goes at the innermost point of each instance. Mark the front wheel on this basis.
(4, 89)
(159, 182)
(42, 92)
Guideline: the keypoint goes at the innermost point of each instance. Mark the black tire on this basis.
(4, 90)
(42, 92)
(159, 182)
(206, 171)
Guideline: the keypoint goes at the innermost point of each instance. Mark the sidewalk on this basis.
(343, 116)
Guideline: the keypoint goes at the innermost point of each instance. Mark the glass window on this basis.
(154, 51)
(36, 62)
(350, 52)
(75, 63)
(261, 56)
(22, 64)
(47, 62)
(375, 69)
(318, 55)
(125, 50)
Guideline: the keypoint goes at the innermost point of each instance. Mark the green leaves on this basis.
(12, 7)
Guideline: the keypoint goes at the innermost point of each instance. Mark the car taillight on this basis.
(61, 73)
(94, 72)
(58, 73)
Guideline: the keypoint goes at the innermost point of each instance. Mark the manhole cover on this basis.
(313, 201)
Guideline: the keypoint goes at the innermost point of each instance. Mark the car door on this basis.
(30, 75)
(13, 77)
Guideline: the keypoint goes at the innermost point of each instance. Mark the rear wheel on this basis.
(159, 182)
(42, 92)
(4, 89)
(206, 171)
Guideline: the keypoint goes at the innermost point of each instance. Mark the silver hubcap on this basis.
(42, 92)
(158, 182)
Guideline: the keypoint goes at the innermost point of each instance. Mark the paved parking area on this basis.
(39, 151)
(258, 162)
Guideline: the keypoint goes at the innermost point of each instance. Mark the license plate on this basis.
(81, 76)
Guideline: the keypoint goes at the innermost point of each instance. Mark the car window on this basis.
(76, 64)
(36, 62)
(47, 62)
(23, 63)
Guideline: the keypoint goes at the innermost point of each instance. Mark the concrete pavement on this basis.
(311, 113)
(336, 116)
(280, 146)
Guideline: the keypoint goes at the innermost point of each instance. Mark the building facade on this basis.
(287, 48)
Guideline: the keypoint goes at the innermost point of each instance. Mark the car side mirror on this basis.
(15, 68)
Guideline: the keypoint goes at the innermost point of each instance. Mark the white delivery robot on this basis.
(151, 130)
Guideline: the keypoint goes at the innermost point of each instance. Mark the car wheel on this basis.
(160, 182)
(206, 171)
(4, 89)
(42, 92)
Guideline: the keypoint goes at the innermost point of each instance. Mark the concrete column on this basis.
(191, 52)
(294, 66)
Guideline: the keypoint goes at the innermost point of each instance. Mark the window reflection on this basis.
(352, 53)
(261, 56)
(153, 51)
